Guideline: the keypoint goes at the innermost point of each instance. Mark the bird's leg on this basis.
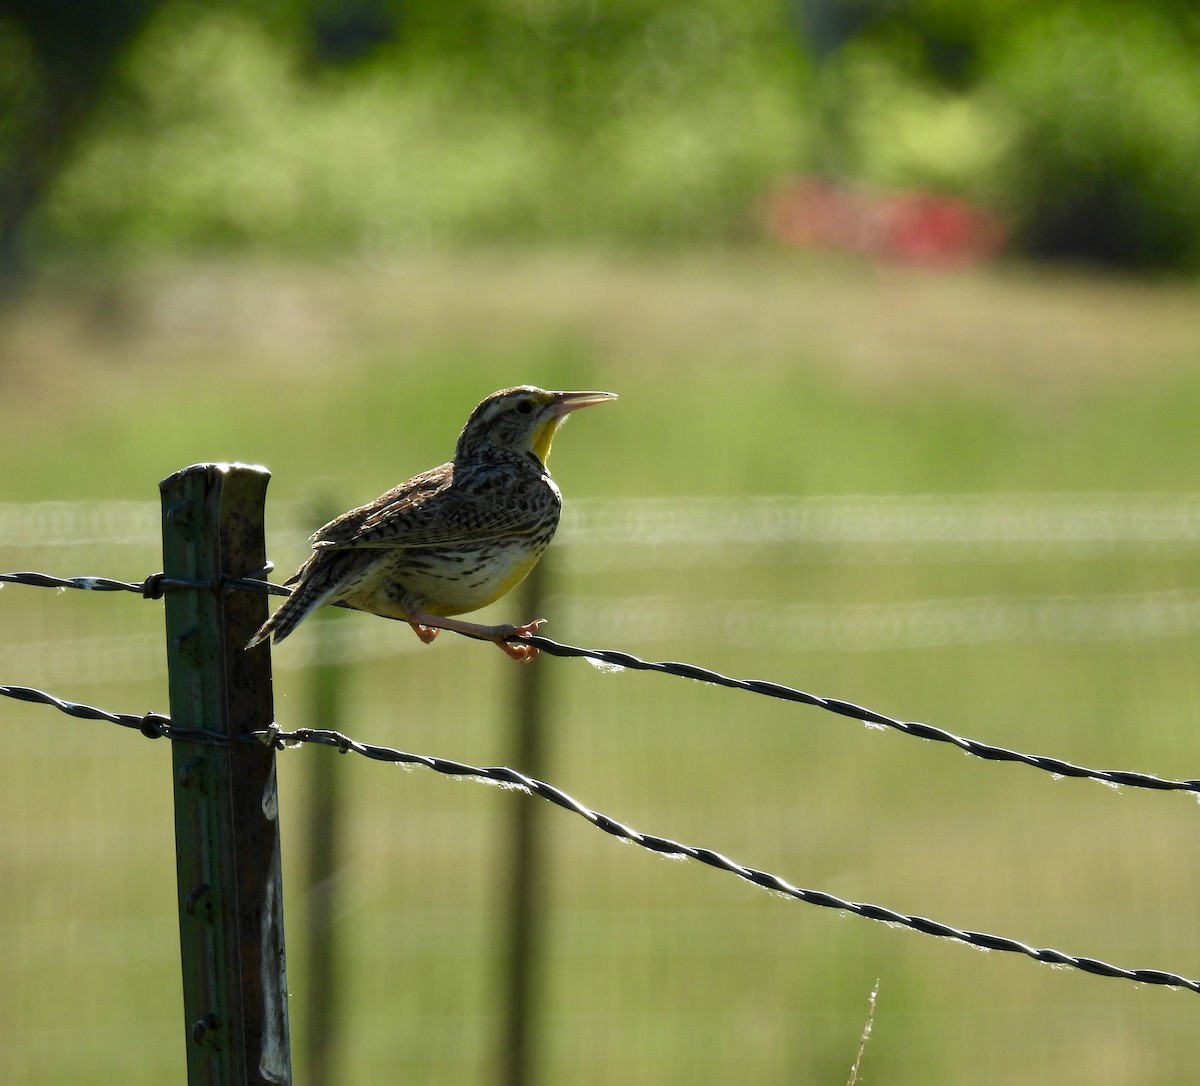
(426, 627)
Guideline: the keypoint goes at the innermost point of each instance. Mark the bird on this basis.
(452, 539)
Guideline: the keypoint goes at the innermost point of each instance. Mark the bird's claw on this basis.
(425, 633)
(519, 650)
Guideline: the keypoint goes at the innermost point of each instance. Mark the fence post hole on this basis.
(226, 805)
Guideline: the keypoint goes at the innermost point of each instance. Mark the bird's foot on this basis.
(425, 633)
(519, 650)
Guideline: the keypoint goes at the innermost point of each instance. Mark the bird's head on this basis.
(521, 420)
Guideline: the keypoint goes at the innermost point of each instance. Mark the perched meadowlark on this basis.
(452, 539)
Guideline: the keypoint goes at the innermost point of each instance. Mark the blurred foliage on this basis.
(1106, 144)
(308, 125)
(55, 62)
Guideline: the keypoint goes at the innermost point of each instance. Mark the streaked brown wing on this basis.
(430, 510)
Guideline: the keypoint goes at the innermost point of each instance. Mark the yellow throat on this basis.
(543, 437)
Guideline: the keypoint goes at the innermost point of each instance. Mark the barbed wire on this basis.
(503, 775)
(90, 584)
(154, 585)
(156, 725)
(151, 725)
(1056, 766)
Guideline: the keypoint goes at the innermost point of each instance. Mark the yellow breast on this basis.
(482, 579)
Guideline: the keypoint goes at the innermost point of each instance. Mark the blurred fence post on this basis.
(326, 685)
(523, 936)
(226, 803)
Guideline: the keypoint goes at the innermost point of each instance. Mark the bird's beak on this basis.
(556, 411)
(565, 402)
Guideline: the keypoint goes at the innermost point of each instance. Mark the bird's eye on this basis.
(524, 407)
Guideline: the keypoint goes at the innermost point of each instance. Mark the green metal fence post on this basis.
(226, 805)
(524, 935)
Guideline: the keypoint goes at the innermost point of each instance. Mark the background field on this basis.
(741, 373)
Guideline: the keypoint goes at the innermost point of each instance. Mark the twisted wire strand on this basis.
(154, 586)
(665, 846)
(987, 751)
(90, 584)
(155, 726)
(151, 725)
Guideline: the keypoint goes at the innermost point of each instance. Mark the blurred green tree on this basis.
(318, 124)
(1105, 106)
(56, 62)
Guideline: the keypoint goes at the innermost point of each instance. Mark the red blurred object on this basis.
(907, 227)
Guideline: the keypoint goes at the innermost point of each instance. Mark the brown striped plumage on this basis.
(452, 539)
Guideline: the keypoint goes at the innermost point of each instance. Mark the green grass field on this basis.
(740, 374)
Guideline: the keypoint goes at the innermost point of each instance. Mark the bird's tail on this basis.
(309, 594)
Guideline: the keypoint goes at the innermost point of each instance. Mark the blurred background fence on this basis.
(629, 977)
(638, 540)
